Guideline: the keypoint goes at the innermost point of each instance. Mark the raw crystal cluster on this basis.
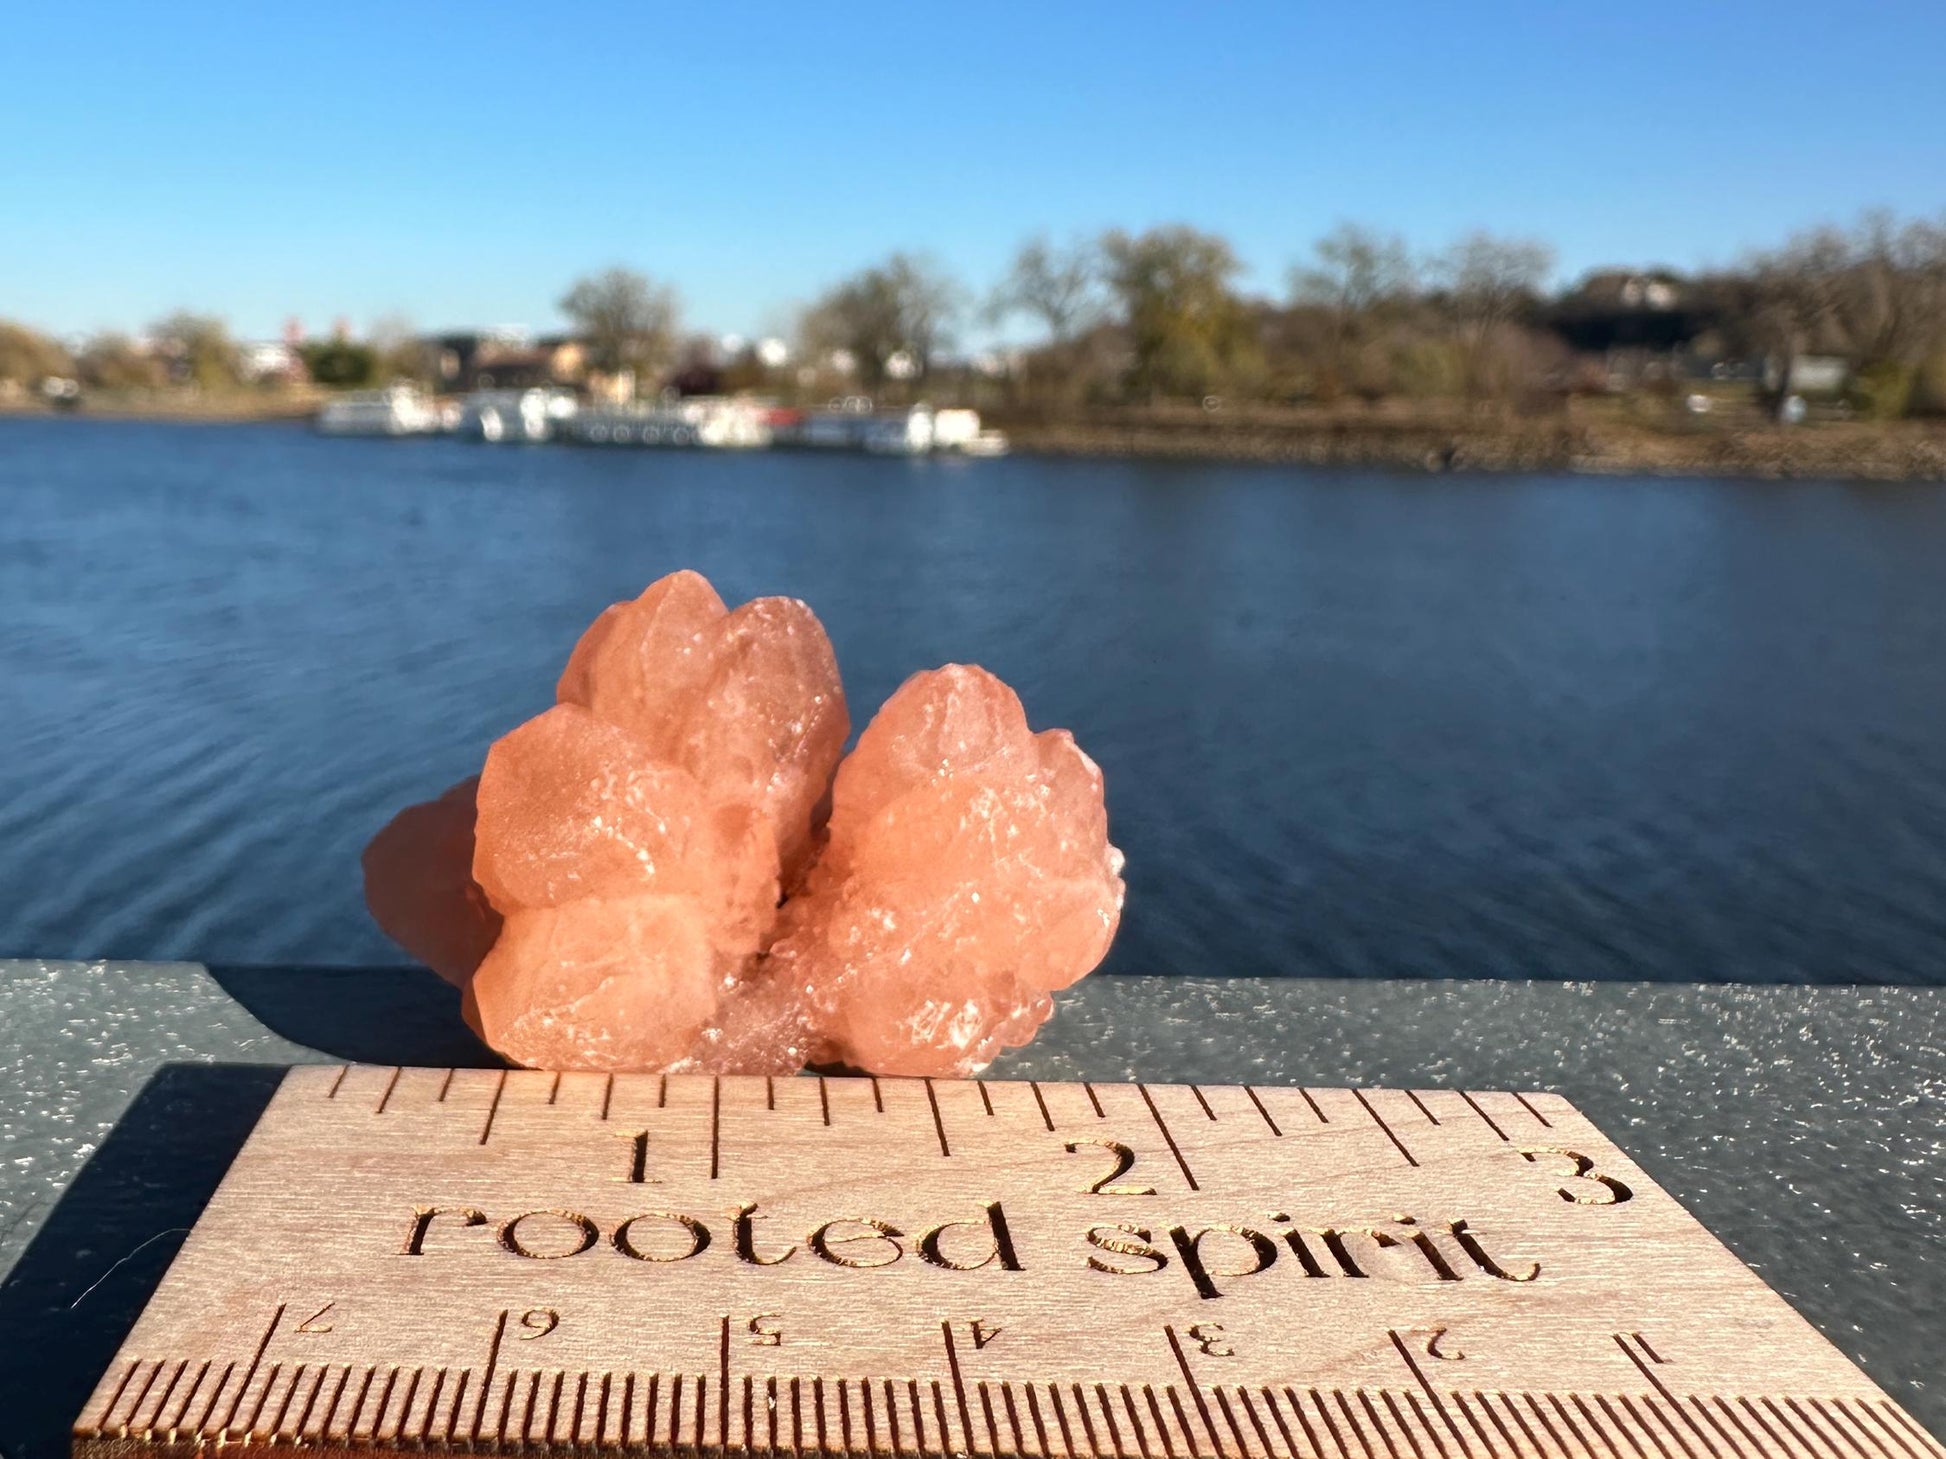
(672, 870)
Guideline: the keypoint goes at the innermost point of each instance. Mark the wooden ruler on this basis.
(404, 1259)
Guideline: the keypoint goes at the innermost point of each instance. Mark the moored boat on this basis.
(397, 410)
(515, 417)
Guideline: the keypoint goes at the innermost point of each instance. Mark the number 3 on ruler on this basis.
(1124, 1162)
(1584, 1169)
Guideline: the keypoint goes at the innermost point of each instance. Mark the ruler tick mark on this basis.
(1095, 1100)
(486, 1381)
(939, 1412)
(188, 1397)
(263, 1397)
(1379, 1120)
(723, 1386)
(1155, 1412)
(1697, 1405)
(1168, 1138)
(251, 1372)
(337, 1397)
(1528, 1105)
(986, 1411)
(1108, 1415)
(108, 1413)
(824, 1107)
(1483, 1114)
(493, 1108)
(1189, 1377)
(1358, 1429)
(1365, 1402)
(1413, 1095)
(445, 1085)
(938, 1123)
(1423, 1423)
(357, 1404)
(1013, 1420)
(390, 1085)
(1330, 1424)
(1041, 1100)
(716, 1130)
(457, 1402)
(1197, 1090)
(1230, 1418)
(1250, 1412)
(332, 1093)
(607, 1095)
(1600, 1402)
(1438, 1407)
(1262, 1111)
(1853, 1434)
(986, 1098)
(405, 1408)
(959, 1386)
(1588, 1421)
(162, 1401)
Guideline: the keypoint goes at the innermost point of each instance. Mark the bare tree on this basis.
(1358, 276)
(1875, 293)
(1490, 282)
(1058, 288)
(1358, 270)
(627, 320)
(893, 318)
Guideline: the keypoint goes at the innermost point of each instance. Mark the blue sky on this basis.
(460, 164)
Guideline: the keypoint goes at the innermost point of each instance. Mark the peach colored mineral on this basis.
(671, 869)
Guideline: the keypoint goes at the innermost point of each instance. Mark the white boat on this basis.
(985, 443)
(711, 421)
(899, 432)
(515, 417)
(914, 431)
(397, 410)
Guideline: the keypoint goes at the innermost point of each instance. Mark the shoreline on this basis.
(1851, 451)
(1427, 443)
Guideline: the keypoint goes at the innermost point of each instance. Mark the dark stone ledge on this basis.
(1803, 1125)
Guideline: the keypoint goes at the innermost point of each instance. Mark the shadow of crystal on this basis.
(361, 1015)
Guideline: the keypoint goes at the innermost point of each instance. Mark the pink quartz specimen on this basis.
(648, 882)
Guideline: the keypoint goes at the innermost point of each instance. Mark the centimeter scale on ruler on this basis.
(494, 1260)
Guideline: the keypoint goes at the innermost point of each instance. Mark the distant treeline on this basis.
(1159, 316)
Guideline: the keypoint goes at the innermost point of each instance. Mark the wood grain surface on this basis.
(404, 1259)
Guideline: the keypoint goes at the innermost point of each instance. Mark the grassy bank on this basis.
(180, 405)
(1597, 440)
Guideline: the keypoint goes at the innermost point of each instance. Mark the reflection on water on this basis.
(1351, 724)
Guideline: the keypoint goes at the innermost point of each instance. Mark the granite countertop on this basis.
(1802, 1125)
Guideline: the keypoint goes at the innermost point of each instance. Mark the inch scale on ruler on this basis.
(404, 1259)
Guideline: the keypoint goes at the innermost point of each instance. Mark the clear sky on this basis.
(461, 164)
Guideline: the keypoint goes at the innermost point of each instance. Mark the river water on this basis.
(1351, 723)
